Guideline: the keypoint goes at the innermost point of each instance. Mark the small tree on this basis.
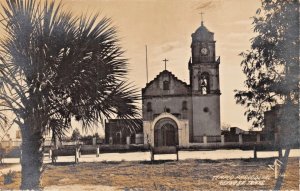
(272, 64)
(225, 127)
(75, 135)
(97, 136)
(55, 66)
(272, 71)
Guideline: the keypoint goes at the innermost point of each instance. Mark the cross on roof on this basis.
(165, 60)
(201, 17)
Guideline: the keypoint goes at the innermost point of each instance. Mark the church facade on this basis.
(176, 113)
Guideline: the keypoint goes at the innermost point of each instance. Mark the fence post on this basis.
(279, 152)
(223, 139)
(76, 155)
(98, 151)
(128, 140)
(258, 137)
(240, 139)
(20, 155)
(152, 154)
(255, 152)
(50, 153)
(277, 166)
(205, 139)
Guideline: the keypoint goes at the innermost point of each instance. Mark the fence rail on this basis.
(229, 138)
(5, 144)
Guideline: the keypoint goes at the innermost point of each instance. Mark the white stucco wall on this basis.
(206, 123)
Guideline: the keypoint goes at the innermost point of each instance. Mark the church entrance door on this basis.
(168, 133)
(165, 133)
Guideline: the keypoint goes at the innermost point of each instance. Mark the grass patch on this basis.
(166, 175)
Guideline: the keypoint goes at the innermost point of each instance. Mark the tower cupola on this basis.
(202, 34)
(203, 45)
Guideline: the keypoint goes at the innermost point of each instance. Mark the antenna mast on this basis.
(147, 63)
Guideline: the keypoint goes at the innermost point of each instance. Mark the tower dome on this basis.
(202, 34)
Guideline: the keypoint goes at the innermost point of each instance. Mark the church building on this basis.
(176, 113)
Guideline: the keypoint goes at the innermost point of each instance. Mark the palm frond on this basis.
(69, 66)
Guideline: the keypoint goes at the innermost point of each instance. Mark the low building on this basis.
(119, 131)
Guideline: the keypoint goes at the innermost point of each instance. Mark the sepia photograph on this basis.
(149, 95)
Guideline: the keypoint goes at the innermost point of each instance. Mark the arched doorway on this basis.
(118, 138)
(165, 133)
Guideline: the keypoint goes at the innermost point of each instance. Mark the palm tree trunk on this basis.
(32, 159)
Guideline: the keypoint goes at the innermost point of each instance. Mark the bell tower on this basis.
(204, 60)
(204, 80)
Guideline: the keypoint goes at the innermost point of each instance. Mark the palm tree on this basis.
(55, 66)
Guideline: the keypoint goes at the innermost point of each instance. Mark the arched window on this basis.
(166, 85)
(184, 105)
(149, 107)
(204, 83)
(166, 109)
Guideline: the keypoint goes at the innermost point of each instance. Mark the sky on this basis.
(165, 26)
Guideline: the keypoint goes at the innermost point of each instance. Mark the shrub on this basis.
(8, 177)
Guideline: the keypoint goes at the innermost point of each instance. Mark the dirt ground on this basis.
(242, 174)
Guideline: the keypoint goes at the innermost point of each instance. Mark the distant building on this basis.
(275, 125)
(9, 136)
(237, 130)
(177, 113)
(117, 131)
